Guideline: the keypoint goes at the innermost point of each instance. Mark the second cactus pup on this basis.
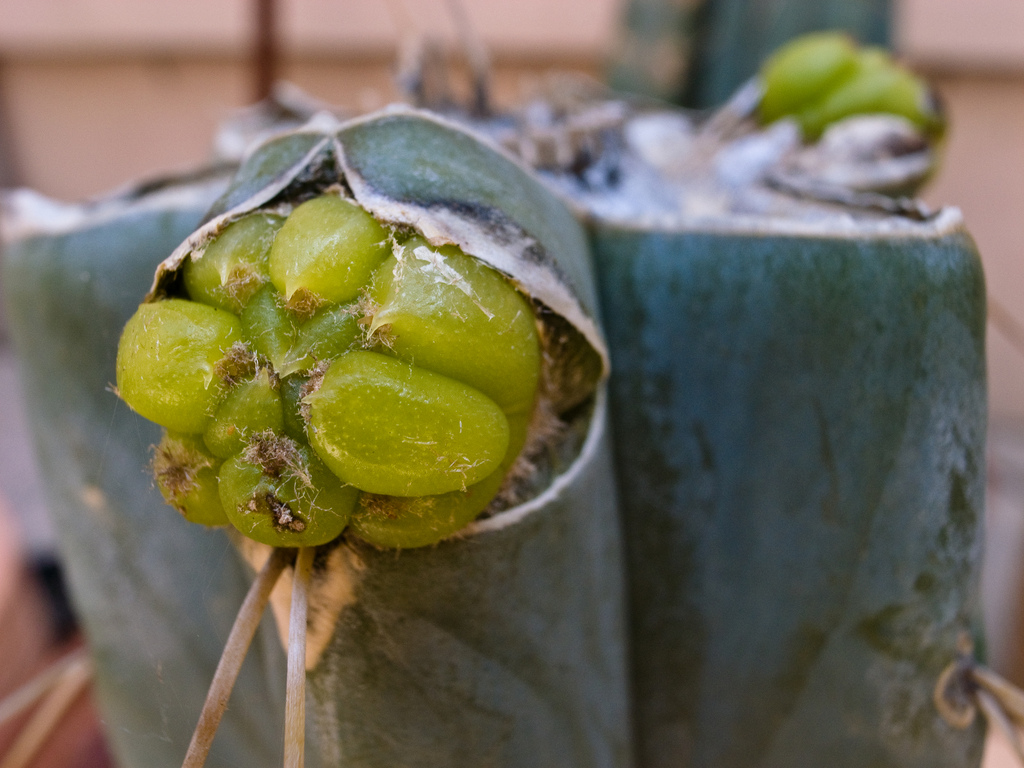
(821, 78)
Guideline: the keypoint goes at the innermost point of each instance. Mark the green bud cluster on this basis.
(821, 78)
(324, 372)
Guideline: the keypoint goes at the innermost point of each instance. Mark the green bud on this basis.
(269, 327)
(879, 85)
(449, 313)
(425, 428)
(326, 252)
(292, 389)
(327, 335)
(234, 265)
(186, 474)
(822, 78)
(250, 408)
(167, 362)
(391, 428)
(804, 70)
(396, 522)
(393, 522)
(278, 493)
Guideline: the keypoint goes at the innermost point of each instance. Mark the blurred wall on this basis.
(96, 92)
(974, 50)
(100, 91)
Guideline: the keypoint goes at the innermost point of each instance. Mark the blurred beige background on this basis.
(974, 50)
(99, 91)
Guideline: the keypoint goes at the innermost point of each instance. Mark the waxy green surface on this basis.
(503, 649)
(799, 431)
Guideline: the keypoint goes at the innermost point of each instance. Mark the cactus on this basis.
(798, 393)
(803, 510)
(524, 606)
